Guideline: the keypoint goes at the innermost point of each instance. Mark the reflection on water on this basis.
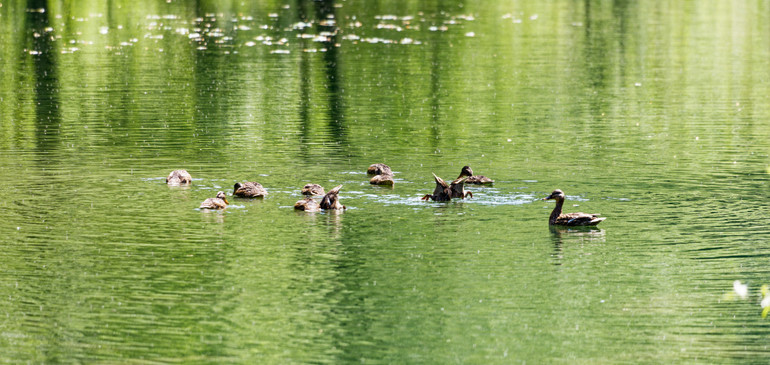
(573, 237)
(662, 132)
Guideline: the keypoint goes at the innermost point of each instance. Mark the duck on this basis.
(570, 219)
(474, 179)
(313, 190)
(249, 189)
(308, 204)
(382, 180)
(442, 193)
(179, 177)
(379, 169)
(383, 174)
(220, 202)
(331, 201)
(457, 187)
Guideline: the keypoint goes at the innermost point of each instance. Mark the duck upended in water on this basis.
(179, 177)
(332, 200)
(220, 202)
(570, 219)
(249, 189)
(383, 174)
(474, 179)
(442, 192)
(313, 190)
(308, 204)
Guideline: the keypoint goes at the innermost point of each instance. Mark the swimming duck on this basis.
(383, 174)
(179, 177)
(384, 179)
(442, 193)
(379, 169)
(332, 200)
(308, 204)
(474, 179)
(569, 219)
(313, 189)
(220, 202)
(249, 189)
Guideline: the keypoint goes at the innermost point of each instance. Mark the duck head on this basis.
(466, 171)
(556, 194)
(221, 195)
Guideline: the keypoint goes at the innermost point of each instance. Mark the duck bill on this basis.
(226, 202)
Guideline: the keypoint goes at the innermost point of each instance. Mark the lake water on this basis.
(654, 114)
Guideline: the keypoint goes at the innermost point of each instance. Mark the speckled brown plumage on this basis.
(570, 219)
(313, 190)
(308, 204)
(383, 174)
(474, 179)
(249, 189)
(382, 180)
(220, 202)
(379, 169)
(179, 177)
(332, 200)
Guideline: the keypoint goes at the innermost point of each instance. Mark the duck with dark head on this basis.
(474, 179)
(249, 189)
(569, 219)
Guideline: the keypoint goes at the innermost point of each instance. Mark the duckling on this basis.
(331, 199)
(442, 193)
(569, 219)
(474, 179)
(313, 189)
(179, 177)
(220, 202)
(249, 189)
(308, 204)
(379, 169)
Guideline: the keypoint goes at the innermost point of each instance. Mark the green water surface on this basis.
(655, 114)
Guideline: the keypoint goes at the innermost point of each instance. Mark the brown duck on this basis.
(179, 177)
(313, 190)
(379, 169)
(569, 219)
(383, 174)
(457, 187)
(332, 200)
(442, 192)
(308, 204)
(249, 189)
(474, 179)
(220, 202)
